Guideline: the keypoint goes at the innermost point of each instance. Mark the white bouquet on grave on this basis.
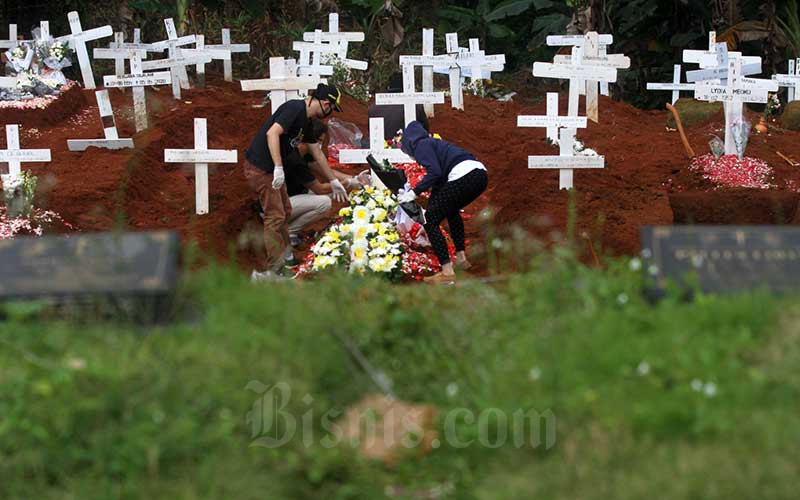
(20, 57)
(741, 135)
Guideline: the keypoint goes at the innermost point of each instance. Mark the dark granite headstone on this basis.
(115, 264)
(723, 258)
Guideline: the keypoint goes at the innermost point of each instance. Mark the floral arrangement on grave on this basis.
(19, 216)
(344, 78)
(770, 110)
(578, 147)
(38, 67)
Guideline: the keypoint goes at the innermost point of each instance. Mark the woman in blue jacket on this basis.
(456, 179)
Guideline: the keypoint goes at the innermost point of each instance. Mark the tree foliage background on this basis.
(652, 32)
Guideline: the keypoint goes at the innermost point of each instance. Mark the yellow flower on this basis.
(361, 214)
(379, 215)
(344, 212)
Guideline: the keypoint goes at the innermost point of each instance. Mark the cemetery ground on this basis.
(135, 189)
(679, 399)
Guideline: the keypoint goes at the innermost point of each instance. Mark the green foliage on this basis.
(706, 391)
(790, 23)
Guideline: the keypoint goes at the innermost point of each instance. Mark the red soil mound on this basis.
(99, 189)
(57, 110)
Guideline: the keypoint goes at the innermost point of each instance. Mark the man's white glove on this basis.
(277, 177)
(353, 183)
(407, 196)
(364, 177)
(339, 192)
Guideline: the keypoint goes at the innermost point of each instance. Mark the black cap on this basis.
(329, 93)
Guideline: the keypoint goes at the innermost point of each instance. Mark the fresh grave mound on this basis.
(44, 111)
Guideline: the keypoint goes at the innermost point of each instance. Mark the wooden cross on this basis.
(716, 57)
(282, 82)
(233, 48)
(566, 161)
(79, 39)
(12, 38)
(119, 55)
(172, 44)
(112, 140)
(676, 86)
(463, 62)
(201, 156)
(135, 45)
(737, 90)
(580, 41)
(409, 98)
(14, 156)
(202, 50)
(174, 64)
(339, 39)
(317, 48)
(377, 148)
(790, 80)
(138, 80)
(552, 122)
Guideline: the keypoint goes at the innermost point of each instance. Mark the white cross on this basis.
(577, 74)
(119, 55)
(552, 122)
(135, 45)
(13, 155)
(462, 62)
(202, 50)
(174, 64)
(736, 91)
(138, 80)
(112, 140)
(338, 38)
(172, 44)
(676, 86)
(580, 41)
(377, 148)
(790, 80)
(716, 59)
(79, 38)
(201, 156)
(565, 162)
(282, 83)
(234, 48)
(427, 71)
(309, 61)
(409, 98)
(12, 38)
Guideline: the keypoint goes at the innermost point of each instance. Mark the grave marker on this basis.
(112, 140)
(12, 38)
(172, 44)
(135, 45)
(461, 63)
(174, 63)
(791, 80)
(14, 156)
(201, 156)
(282, 83)
(233, 48)
(79, 38)
(409, 98)
(676, 86)
(119, 55)
(552, 122)
(138, 80)
(337, 39)
(202, 50)
(566, 161)
(377, 148)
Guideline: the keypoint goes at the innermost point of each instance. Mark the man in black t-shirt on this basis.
(277, 138)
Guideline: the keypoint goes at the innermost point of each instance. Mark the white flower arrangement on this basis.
(364, 240)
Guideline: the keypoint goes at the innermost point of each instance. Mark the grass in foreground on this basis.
(677, 400)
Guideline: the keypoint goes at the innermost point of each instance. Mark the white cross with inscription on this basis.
(14, 156)
(174, 64)
(579, 41)
(462, 62)
(112, 140)
(119, 55)
(676, 86)
(552, 122)
(138, 80)
(734, 93)
(233, 48)
(409, 98)
(79, 39)
(566, 161)
(377, 148)
(201, 156)
(202, 50)
(12, 38)
(716, 58)
(282, 84)
(339, 39)
(790, 80)
(172, 44)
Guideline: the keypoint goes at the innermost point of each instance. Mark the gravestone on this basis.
(201, 156)
(676, 86)
(377, 148)
(724, 259)
(112, 140)
(14, 156)
(791, 80)
(409, 98)
(135, 264)
(233, 48)
(282, 84)
(79, 38)
(138, 80)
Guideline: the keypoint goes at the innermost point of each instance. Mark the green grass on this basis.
(104, 410)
